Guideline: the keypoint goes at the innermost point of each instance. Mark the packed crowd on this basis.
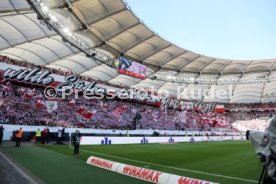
(250, 105)
(249, 115)
(253, 124)
(25, 105)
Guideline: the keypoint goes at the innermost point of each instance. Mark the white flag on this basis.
(51, 106)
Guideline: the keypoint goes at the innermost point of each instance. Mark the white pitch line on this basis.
(175, 168)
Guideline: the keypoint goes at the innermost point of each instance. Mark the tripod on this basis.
(264, 178)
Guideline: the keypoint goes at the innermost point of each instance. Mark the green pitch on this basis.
(223, 162)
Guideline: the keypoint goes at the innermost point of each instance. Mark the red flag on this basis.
(40, 103)
(220, 108)
(81, 111)
(72, 103)
(89, 114)
(117, 112)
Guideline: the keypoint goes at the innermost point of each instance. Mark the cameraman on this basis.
(265, 147)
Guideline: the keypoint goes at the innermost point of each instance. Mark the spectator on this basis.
(47, 135)
(43, 135)
(59, 136)
(76, 142)
(1, 134)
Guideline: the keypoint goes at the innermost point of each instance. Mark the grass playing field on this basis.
(223, 162)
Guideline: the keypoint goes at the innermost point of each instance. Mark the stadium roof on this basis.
(113, 29)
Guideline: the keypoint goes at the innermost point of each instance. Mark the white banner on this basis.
(85, 140)
(10, 128)
(140, 173)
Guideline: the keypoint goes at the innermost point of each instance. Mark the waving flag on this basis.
(72, 102)
(40, 103)
(86, 114)
(89, 114)
(81, 111)
(220, 108)
(51, 106)
(118, 111)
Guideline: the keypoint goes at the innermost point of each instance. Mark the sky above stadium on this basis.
(228, 29)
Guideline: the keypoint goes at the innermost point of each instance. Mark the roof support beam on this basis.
(207, 65)
(160, 50)
(176, 56)
(139, 42)
(122, 31)
(189, 63)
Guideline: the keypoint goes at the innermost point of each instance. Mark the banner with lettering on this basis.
(144, 174)
(64, 84)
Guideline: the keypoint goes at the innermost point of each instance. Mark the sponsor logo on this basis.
(184, 180)
(141, 173)
(102, 163)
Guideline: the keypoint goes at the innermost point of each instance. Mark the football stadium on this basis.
(90, 94)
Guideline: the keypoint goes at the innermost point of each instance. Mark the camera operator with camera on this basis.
(265, 147)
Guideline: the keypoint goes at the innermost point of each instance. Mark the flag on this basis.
(72, 102)
(81, 111)
(89, 114)
(22, 90)
(51, 106)
(220, 108)
(118, 111)
(40, 103)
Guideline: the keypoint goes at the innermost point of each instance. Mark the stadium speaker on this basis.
(49, 27)
(64, 39)
(39, 17)
(84, 26)
(154, 77)
(155, 133)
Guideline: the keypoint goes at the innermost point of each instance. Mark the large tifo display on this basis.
(132, 68)
(149, 175)
(85, 140)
